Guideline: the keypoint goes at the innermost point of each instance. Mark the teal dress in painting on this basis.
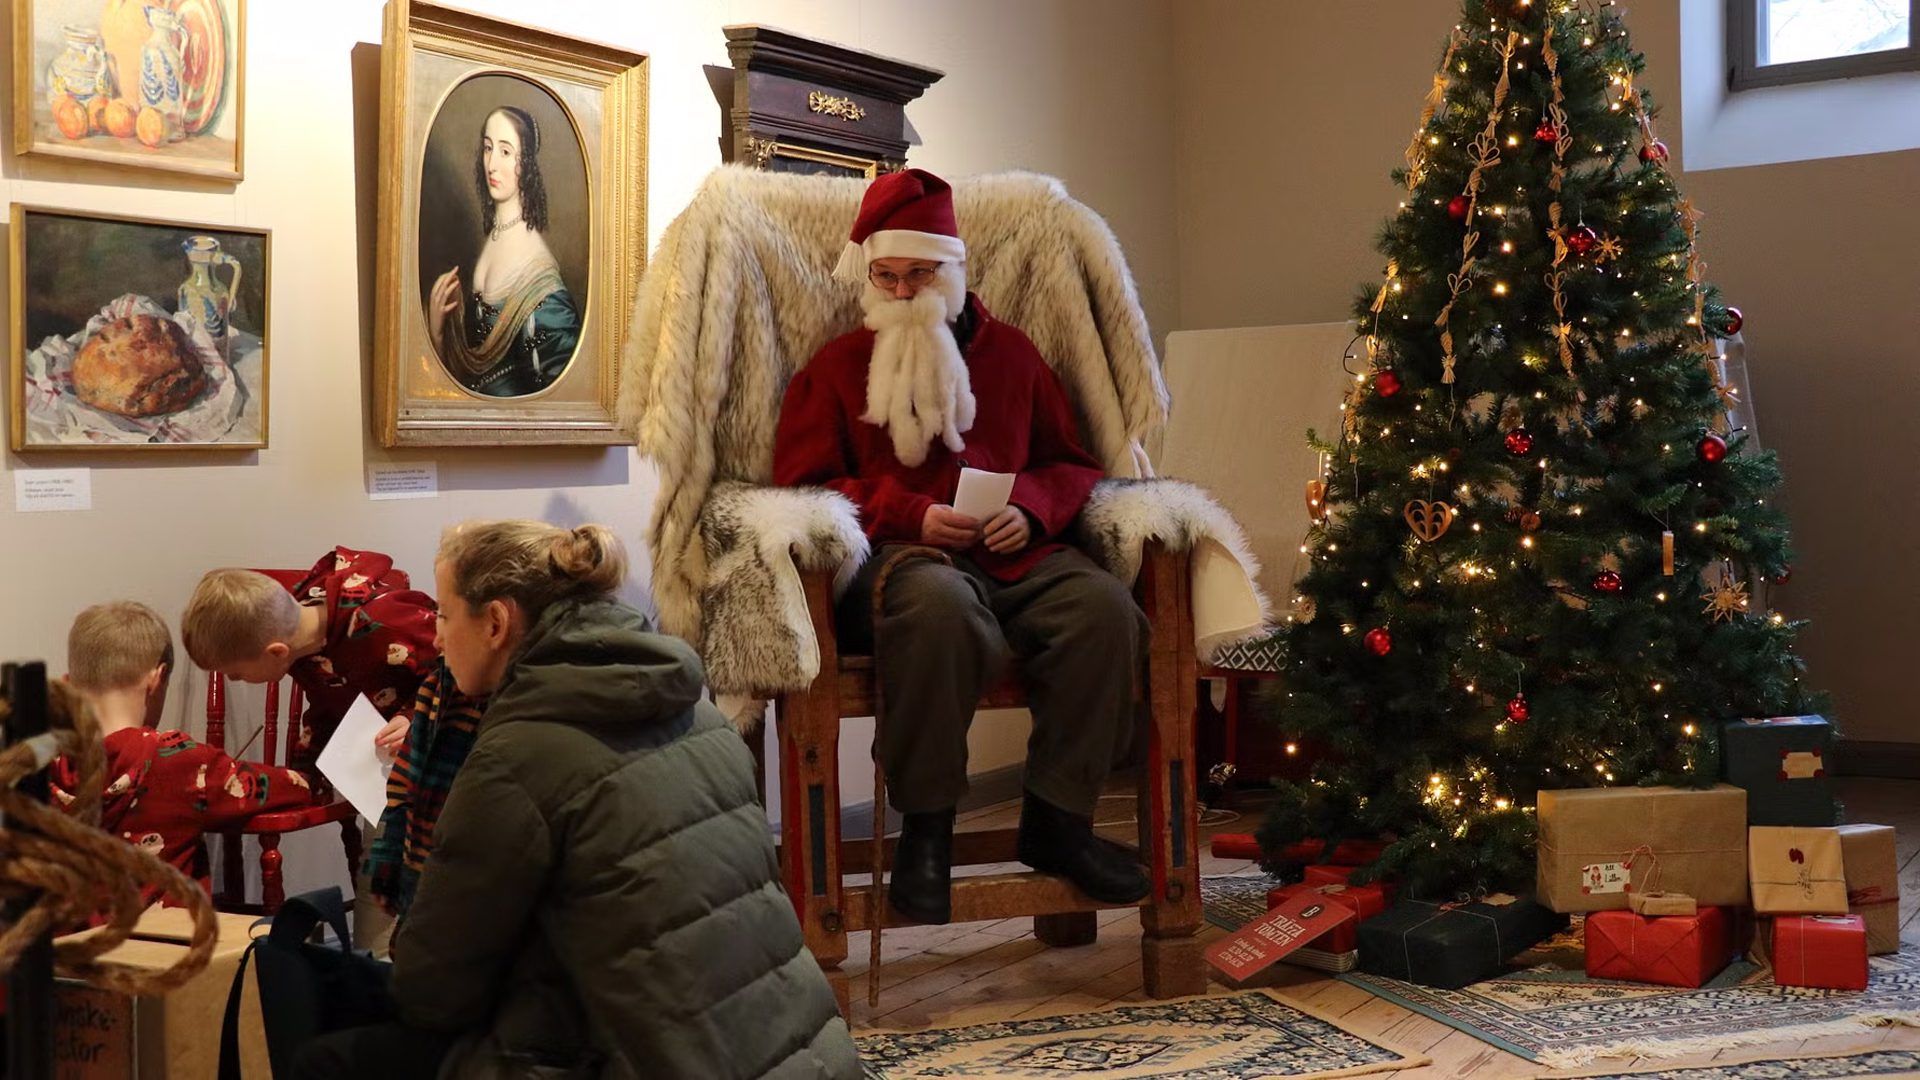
(521, 344)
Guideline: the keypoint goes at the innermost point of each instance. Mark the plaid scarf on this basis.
(445, 722)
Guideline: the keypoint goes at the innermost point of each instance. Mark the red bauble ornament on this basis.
(1546, 133)
(1735, 321)
(1519, 442)
(1458, 206)
(1655, 152)
(1583, 240)
(1608, 581)
(1712, 448)
(1386, 383)
(1785, 575)
(1379, 641)
(1518, 711)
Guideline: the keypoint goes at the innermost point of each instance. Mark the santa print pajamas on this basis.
(947, 632)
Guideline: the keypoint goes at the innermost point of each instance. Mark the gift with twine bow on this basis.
(1796, 871)
(1456, 944)
(1650, 899)
(1588, 835)
(1872, 867)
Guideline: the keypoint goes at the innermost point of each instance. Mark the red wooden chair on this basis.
(270, 827)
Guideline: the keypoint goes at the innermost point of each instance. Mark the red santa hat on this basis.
(904, 215)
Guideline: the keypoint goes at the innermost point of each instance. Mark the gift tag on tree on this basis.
(1265, 941)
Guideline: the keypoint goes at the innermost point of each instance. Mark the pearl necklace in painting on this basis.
(502, 227)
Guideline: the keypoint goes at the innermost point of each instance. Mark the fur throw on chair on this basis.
(740, 295)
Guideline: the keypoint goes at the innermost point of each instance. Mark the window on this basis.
(1776, 42)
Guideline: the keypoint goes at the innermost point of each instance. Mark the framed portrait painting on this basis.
(148, 84)
(135, 333)
(512, 230)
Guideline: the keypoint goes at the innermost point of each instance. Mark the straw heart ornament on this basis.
(1428, 520)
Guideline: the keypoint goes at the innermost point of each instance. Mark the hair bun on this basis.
(591, 556)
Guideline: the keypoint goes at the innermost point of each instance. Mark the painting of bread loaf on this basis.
(137, 334)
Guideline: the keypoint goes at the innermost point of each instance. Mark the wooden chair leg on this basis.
(809, 731)
(1067, 931)
(1171, 961)
(273, 890)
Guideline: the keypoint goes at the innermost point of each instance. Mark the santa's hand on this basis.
(1009, 531)
(944, 527)
(391, 737)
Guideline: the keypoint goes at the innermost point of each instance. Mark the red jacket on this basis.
(1022, 424)
(165, 791)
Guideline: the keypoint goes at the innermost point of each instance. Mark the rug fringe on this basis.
(1576, 1057)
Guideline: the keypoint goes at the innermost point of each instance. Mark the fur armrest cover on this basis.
(757, 636)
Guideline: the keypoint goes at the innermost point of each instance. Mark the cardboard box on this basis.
(1588, 837)
(1796, 871)
(1670, 950)
(1873, 883)
(1782, 764)
(103, 1035)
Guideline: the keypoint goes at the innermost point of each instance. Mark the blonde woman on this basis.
(601, 899)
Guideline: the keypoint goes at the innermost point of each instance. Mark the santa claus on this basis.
(888, 416)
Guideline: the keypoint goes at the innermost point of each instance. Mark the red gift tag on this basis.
(1265, 941)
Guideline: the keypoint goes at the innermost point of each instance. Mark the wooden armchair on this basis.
(814, 858)
(230, 893)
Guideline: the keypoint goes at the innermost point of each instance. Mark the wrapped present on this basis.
(1796, 871)
(1782, 764)
(1828, 952)
(1365, 901)
(1672, 950)
(1662, 903)
(1235, 846)
(1327, 875)
(1344, 853)
(1873, 883)
(1453, 945)
(1588, 837)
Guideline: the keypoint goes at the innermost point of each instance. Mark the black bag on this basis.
(306, 990)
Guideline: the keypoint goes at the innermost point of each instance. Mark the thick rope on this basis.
(877, 861)
(74, 871)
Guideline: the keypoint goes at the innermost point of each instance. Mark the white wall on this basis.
(1076, 88)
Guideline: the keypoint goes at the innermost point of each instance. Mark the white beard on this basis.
(917, 383)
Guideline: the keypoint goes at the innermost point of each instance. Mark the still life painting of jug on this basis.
(137, 333)
(151, 84)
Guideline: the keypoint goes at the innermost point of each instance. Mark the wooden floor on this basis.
(981, 972)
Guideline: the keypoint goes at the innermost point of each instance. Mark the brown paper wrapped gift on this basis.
(1796, 871)
(1873, 883)
(1588, 837)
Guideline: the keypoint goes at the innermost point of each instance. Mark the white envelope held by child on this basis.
(981, 494)
(352, 764)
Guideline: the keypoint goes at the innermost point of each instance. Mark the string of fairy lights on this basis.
(1576, 246)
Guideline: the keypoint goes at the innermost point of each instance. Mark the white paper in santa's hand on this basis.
(351, 762)
(981, 495)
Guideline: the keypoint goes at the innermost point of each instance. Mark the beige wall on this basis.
(1289, 116)
(1077, 88)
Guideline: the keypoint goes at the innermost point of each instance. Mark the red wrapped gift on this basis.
(1365, 901)
(1343, 875)
(1344, 853)
(1824, 951)
(1672, 950)
(1235, 845)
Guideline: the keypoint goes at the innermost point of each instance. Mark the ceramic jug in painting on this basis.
(124, 29)
(81, 68)
(161, 67)
(204, 301)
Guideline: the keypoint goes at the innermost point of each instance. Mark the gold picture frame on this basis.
(512, 231)
(79, 91)
(77, 276)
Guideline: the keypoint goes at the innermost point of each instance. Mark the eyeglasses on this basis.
(919, 277)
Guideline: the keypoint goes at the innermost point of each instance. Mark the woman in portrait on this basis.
(514, 332)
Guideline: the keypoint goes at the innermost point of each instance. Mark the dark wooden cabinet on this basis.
(807, 106)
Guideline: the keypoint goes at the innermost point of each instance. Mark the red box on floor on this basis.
(1672, 950)
(1365, 901)
(1824, 951)
(1343, 875)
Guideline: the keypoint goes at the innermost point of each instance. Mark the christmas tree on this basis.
(1540, 557)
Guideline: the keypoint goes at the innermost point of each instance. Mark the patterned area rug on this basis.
(1242, 1037)
(1232, 901)
(1874, 1063)
(1550, 1012)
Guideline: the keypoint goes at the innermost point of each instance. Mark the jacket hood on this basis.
(595, 662)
